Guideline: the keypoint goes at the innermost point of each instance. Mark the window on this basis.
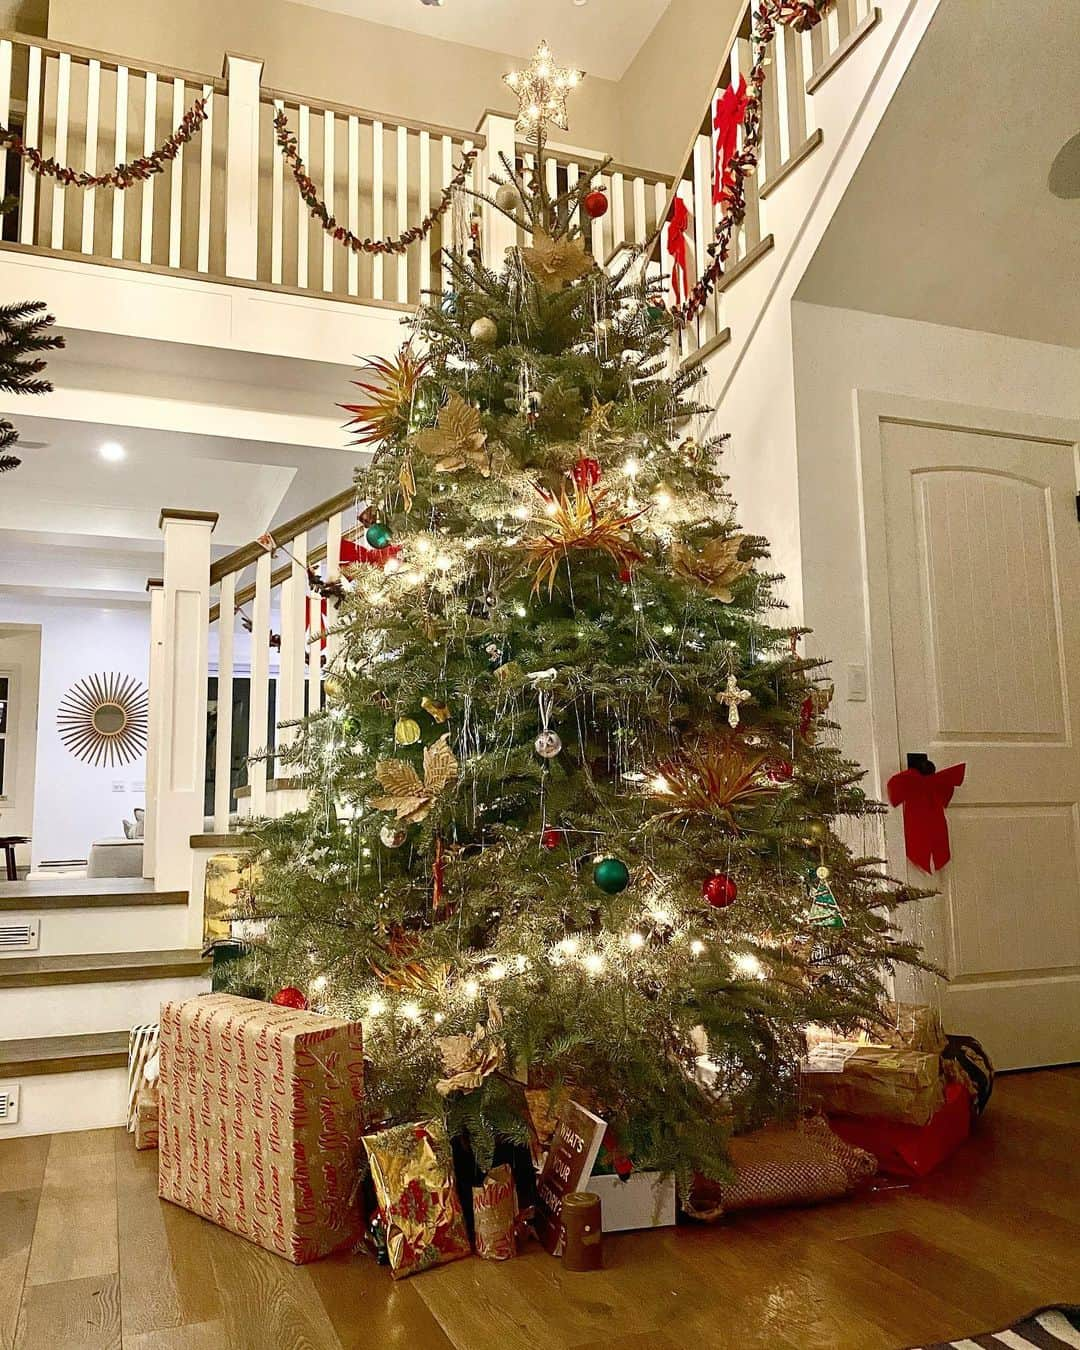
(6, 734)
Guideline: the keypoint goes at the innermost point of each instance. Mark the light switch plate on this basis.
(856, 684)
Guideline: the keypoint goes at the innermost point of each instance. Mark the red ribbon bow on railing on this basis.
(676, 247)
(728, 117)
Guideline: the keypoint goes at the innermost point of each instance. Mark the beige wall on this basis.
(25, 16)
(20, 659)
(324, 55)
(664, 94)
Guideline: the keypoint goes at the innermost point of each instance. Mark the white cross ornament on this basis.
(731, 698)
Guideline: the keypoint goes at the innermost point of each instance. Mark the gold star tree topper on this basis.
(541, 90)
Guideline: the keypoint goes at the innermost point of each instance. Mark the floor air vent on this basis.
(9, 1103)
(20, 937)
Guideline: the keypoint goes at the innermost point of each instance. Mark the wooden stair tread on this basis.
(85, 893)
(63, 1054)
(21, 972)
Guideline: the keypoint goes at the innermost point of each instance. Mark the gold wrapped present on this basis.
(260, 1114)
(495, 1214)
(413, 1174)
(872, 1080)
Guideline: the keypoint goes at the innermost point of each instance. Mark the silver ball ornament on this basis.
(548, 744)
(507, 197)
(484, 330)
(393, 836)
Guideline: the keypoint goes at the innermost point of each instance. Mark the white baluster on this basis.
(807, 50)
(223, 745)
(5, 97)
(423, 207)
(641, 226)
(447, 174)
(63, 101)
(31, 133)
(660, 192)
(176, 182)
(597, 226)
(329, 193)
(206, 166)
(294, 600)
(259, 699)
(573, 177)
(778, 76)
(146, 234)
(120, 150)
(703, 214)
(277, 206)
(182, 759)
(499, 234)
(353, 268)
(242, 168)
(303, 136)
(93, 116)
(333, 572)
(403, 210)
(551, 176)
(618, 211)
(378, 188)
(831, 29)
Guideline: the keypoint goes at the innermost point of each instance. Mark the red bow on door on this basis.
(676, 247)
(924, 797)
(727, 119)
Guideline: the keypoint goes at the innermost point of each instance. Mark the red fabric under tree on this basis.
(924, 797)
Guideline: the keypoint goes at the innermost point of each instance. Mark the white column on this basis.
(181, 761)
(242, 167)
(499, 234)
(155, 588)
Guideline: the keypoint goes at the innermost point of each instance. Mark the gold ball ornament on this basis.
(332, 686)
(507, 198)
(484, 330)
(817, 831)
(406, 731)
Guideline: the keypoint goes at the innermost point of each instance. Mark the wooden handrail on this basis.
(365, 115)
(285, 533)
(110, 61)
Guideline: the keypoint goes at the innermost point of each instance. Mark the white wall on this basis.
(20, 660)
(74, 803)
(838, 352)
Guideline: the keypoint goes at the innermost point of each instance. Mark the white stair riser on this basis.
(68, 932)
(71, 1009)
(51, 1103)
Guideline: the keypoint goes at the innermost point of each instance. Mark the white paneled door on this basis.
(983, 561)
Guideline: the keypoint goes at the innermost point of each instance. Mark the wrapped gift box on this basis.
(871, 1080)
(911, 1150)
(910, 1026)
(146, 1117)
(643, 1200)
(259, 1121)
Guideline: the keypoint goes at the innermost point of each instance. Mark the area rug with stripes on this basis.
(1047, 1329)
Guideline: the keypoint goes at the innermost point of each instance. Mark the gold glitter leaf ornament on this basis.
(407, 795)
(457, 440)
(715, 568)
(553, 262)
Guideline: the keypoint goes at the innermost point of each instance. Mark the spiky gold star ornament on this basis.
(407, 795)
(715, 568)
(456, 441)
(719, 777)
(553, 262)
(391, 394)
(579, 523)
(541, 90)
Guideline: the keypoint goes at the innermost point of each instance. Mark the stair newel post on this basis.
(499, 233)
(181, 756)
(155, 588)
(243, 75)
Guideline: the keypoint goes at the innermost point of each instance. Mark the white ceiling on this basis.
(602, 36)
(950, 218)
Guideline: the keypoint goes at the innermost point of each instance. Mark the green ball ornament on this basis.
(858, 794)
(612, 875)
(378, 535)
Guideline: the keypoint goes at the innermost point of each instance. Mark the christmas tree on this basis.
(24, 336)
(574, 793)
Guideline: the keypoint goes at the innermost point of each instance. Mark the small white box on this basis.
(643, 1200)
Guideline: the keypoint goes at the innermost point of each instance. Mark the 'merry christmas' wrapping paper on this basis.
(260, 1114)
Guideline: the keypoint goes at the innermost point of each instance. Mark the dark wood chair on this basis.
(7, 843)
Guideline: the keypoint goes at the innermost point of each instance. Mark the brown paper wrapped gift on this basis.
(910, 1026)
(260, 1121)
(879, 1081)
(146, 1116)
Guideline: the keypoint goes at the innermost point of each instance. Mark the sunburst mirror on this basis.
(102, 719)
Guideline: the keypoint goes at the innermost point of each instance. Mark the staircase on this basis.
(107, 953)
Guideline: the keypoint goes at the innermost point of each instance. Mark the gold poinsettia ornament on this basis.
(715, 568)
(581, 522)
(409, 796)
(720, 777)
(553, 262)
(391, 392)
(457, 440)
(468, 1060)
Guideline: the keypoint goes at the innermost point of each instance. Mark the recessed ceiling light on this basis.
(113, 451)
(581, 3)
(431, 2)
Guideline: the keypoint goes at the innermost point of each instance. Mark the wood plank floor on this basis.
(90, 1258)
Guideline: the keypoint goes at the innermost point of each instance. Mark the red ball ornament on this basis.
(290, 997)
(587, 472)
(719, 890)
(596, 203)
(779, 770)
(551, 839)
(625, 576)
